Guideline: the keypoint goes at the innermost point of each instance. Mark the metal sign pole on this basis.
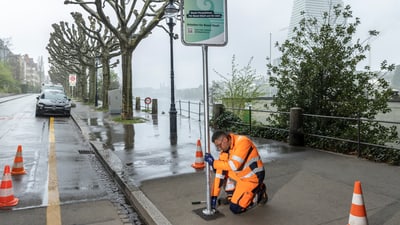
(205, 25)
(208, 210)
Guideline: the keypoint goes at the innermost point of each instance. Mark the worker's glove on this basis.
(213, 202)
(209, 159)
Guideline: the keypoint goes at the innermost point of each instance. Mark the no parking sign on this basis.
(147, 101)
(72, 80)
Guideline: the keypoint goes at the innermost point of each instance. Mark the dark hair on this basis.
(217, 134)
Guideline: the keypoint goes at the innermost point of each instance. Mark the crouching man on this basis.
(239, 170)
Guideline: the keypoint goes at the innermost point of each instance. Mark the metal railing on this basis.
(247, 121)
(358, 121)
(192, 109)
(247, 118)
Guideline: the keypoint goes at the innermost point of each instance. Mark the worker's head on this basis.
(222, 140)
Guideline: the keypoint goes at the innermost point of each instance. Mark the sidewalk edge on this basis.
(145, 208)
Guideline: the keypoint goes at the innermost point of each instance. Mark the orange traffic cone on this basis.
(199, 162)
(18, 166)
(358, 214)
(6, 190)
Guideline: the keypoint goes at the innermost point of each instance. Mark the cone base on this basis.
(198, 166)
(18, 172)
(13, 202)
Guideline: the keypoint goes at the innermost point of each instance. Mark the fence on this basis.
(359, 122)
(193, 109)
(189, 109)
(247, 121)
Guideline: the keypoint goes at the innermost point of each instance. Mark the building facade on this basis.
(28, 73)
(312, 9)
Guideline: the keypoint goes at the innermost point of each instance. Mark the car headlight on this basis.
(40, 105)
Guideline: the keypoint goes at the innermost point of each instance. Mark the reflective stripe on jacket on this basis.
(220, 175)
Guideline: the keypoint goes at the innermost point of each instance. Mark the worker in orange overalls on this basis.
(239, 170)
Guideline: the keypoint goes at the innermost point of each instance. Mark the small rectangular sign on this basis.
(204, 22)
(72, 80)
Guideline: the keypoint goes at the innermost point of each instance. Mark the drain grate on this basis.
(83, 151)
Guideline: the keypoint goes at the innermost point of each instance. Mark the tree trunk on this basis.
(82, 83)
(106, 82)
(92, 83)
(127, 106)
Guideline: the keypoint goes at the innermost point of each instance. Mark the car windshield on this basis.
(53, 95)
(53, 87)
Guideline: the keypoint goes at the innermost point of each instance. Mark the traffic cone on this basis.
(199, 162)
(358, 214)
(18, 166)
(6, 190)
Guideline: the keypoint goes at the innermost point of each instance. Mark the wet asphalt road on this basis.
(86, 193)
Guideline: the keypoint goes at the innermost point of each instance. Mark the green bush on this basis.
(226, 120)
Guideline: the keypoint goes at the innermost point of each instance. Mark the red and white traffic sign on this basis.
(147, 101)
(72, 80)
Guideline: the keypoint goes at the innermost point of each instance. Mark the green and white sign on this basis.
(204, 22)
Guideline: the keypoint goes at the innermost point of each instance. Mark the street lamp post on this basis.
(171, 13)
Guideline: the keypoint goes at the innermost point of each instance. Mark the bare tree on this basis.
(71, 50)
(107, 45)
(130, 21)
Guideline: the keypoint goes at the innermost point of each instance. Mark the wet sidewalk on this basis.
(305, 186)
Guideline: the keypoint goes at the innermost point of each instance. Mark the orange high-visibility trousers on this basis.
(242, 196)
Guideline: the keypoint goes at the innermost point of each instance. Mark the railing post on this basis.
(180, 108)
(189, 109)
(154, 106)
(296, 134)
(218, 109)
(137, 105)
(250, 117)
(199, 111)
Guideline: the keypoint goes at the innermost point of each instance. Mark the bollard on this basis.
(296, 134)
(154, 106)
(137, 105)
(218, 109)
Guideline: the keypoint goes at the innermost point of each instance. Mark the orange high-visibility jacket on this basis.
(243, 162)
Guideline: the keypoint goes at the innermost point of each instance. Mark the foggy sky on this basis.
(250, 23)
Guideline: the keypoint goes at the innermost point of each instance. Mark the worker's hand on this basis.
(213, 202)
(209, 159)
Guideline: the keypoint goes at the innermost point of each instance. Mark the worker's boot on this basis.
(262, 194)
(225, 201)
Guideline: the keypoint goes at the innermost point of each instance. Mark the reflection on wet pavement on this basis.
(145, 149)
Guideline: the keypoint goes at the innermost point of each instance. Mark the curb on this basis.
(6, 98)
(146, 210)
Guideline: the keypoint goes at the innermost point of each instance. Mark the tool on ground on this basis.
(198, 202)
